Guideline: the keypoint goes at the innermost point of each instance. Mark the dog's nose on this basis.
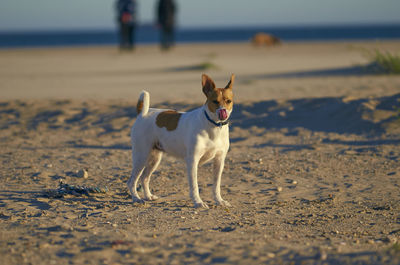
(222, 114)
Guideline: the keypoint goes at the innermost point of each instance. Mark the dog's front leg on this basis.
(219, 162)
(192, 163)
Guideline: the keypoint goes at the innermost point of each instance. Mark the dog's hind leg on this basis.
(139, 160)
(152, 163)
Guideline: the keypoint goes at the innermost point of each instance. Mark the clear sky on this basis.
(99, 14)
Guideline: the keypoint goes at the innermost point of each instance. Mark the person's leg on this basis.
(167, 38)
(125, 43)
(121, 36)
(132, 36)
(128, 37)
(171, 37)
(164, 39)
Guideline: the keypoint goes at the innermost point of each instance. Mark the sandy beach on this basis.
(313, 171)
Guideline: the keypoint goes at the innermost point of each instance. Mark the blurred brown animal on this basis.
(264, 39)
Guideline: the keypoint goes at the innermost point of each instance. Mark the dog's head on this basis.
(219, 100)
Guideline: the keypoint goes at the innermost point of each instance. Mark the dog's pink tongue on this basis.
(222, 114)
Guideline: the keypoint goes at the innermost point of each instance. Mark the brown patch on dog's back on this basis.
(139, 106)
(168, 119)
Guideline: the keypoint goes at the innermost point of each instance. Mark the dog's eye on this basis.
(216, 102)
(229, 101)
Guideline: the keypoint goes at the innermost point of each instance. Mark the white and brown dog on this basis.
(197, 136)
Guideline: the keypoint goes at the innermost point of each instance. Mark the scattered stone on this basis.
(46, 174)
(294, 182)
(391, 239)
(82, 174)
(117, 243)
(77, 190)
(323, 255)
(279, 189)
(66, 227)
(44, 245)
(271, 255)
(227, 229)
(350, 152)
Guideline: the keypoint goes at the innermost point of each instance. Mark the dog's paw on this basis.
(138, 200)
(152, 198)
(201, 205)
(223, 203)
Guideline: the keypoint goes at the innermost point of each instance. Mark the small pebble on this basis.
(294, 182)
(46, 174)
(323, 256)
(228, 229)
(82, 174)
(45, 245)
(391, 239)
(279, 189)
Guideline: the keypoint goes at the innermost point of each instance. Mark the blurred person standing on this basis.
(126, 19)
(166, 21)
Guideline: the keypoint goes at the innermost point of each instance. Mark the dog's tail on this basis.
(143, 103)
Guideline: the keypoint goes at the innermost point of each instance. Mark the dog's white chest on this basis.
(213, 146)
(207, 156)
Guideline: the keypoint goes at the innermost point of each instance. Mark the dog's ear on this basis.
(231, 82)
(207, 83)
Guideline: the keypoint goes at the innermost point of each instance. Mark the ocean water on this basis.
(149, 35)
